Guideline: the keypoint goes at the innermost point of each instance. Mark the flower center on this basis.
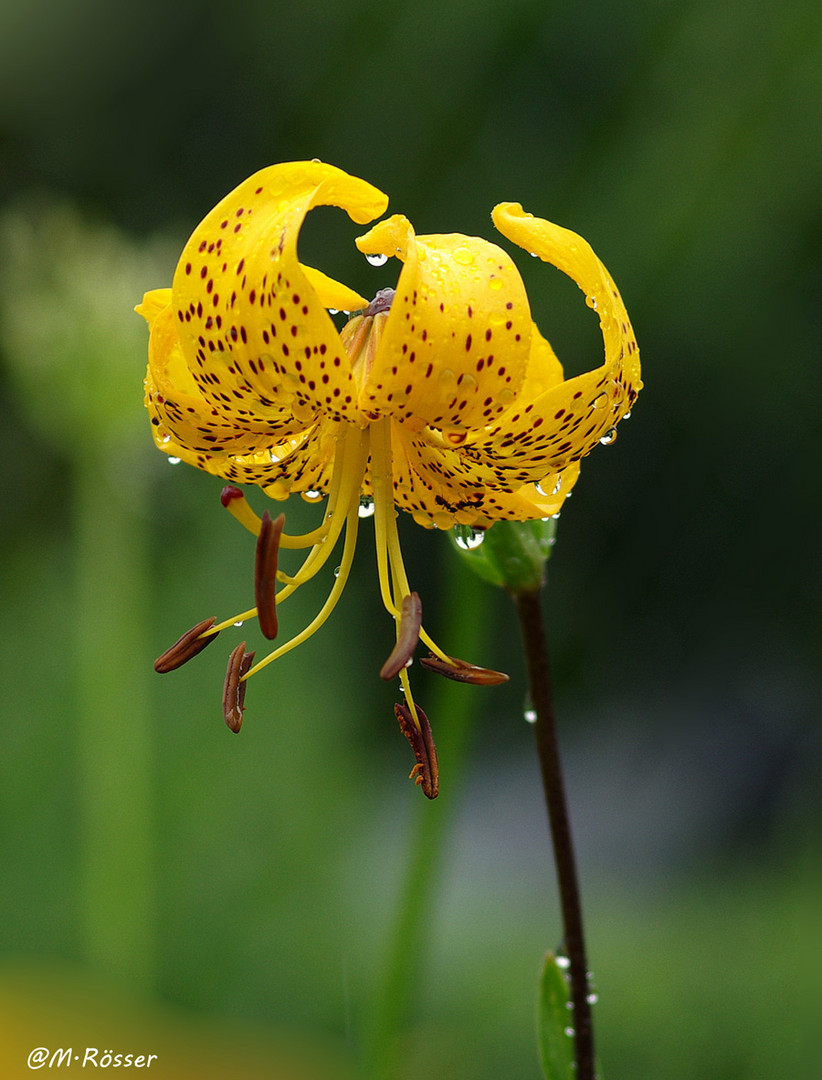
(361, 335)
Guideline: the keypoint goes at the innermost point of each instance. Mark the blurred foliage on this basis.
(684, 590)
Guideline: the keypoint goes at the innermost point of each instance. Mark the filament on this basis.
(352, 523)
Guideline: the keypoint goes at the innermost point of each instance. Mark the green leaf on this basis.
(511, 554)
(556, 1045)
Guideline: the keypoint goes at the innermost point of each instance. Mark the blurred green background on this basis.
(256, 879)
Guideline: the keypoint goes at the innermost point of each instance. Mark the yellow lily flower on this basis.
(440, 398)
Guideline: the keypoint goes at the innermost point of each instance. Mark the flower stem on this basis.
(529, 609)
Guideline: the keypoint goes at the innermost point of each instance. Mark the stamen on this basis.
(462, 671)
(426, 772)
(350, 544)
(408, 634)
(239, 663)
(192, 642)
(265, 573)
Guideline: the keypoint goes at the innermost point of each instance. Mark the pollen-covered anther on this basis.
(239, 662)
(265, 573)
(426, 773)
(462, 671)
(408, 634)
(192, 642)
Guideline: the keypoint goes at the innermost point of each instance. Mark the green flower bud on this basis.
(511, 554)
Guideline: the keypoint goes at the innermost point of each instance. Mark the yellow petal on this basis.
(178, 410)
(331, 293)
(254, 332)
(153, 303)
(455, 347)
(567, 420)
(442, 486)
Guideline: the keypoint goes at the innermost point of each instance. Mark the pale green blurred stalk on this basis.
(75, 353)
(114, 729)
(450, 707)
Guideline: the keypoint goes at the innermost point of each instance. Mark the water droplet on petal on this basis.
(464, 256)
(174, 460)
(333, 311)
(555, 490)
(609, 437)
(311, 495)
(467, 538)
(378, 259)
(600, 401)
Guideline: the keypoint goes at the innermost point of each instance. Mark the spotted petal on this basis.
(253, 330)
(442, 486)
(564, 422)
(455, 347)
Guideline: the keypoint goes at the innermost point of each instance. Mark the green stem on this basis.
(466, 602)
(116, 879)
(529, 609)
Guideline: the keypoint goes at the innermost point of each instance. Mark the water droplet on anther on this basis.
(530, 716)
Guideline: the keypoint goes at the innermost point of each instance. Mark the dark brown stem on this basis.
(529, 609)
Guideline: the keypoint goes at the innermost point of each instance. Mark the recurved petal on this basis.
(455, 347)
(180, 414)
(254, 331)
(565, 421)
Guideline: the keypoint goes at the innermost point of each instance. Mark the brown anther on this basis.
(426, 772)
(462, 671)
(229, 493)
(265, 573)
(192, 642)
(234, 689)
(407, 637)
